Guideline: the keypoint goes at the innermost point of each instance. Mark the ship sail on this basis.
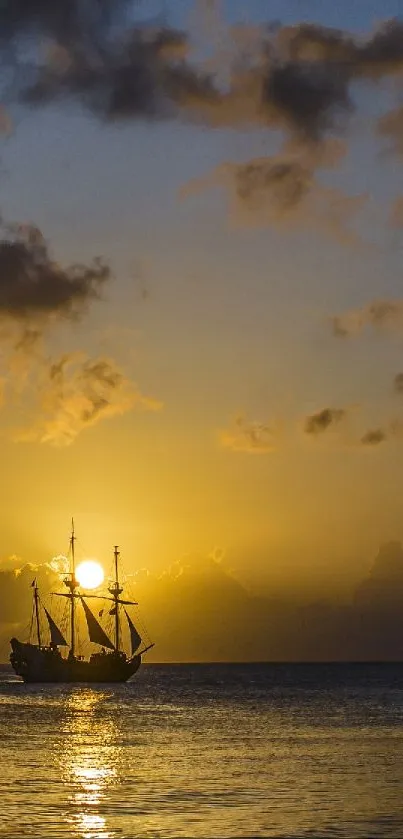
(56, 636)
(134, 635)
(95, 631)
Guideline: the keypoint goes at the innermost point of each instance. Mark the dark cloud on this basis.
(380, 54)
(267, 87)
(398, 383)
(67, 21)
(32, 285)
(75, 393)
(294, 78)
(323, 420)
(306, 97)
(330, 418)
(153, 80)
(96, 54)
(380, 314)
(302, 81)
(297, 78)
(316, 44)
(144, 73)
(60, 397)
(374, 437)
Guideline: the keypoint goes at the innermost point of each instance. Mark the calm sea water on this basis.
(308, 751)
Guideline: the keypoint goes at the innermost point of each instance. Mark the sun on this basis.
(90, 574)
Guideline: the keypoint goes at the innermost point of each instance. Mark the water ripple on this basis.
(280, 751)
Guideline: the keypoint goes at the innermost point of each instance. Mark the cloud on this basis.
(391, 127)
(329, 419)
(380, 314)
(75, 393)
(212, 616)
(33, 286)
(391, 430)
(323, 420)
(282, 191)
(63, 396)
(299, 78)
(396, 213)
(398, 383)
(6, 125)
(305, 97)
(378, 55)
(65, 18)
(11, 563)
(145, 73)
(284, 183)
(85, 26)
(374, 437)
(153, 76)
(259, 438)
(60, 564)
(250, 437)
(269, 87)
(382, 434)
(381, 55)
(296, 78)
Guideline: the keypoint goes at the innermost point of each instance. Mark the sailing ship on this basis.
(40, 662)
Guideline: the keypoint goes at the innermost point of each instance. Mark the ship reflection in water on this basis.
(89, 760)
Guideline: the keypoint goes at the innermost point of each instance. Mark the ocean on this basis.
(272, 750)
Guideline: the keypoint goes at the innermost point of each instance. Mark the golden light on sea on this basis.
(89, 764)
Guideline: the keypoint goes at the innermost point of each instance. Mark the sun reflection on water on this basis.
(88, 763)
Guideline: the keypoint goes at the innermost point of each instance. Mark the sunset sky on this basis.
(236, 385)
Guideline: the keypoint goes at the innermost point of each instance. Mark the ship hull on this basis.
(38, 665)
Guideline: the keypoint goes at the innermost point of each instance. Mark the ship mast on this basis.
(72, 583)
(36, 602)
(115, 590)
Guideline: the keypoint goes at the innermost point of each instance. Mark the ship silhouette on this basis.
(40, 662)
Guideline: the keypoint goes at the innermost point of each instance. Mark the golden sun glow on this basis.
(90, 574)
